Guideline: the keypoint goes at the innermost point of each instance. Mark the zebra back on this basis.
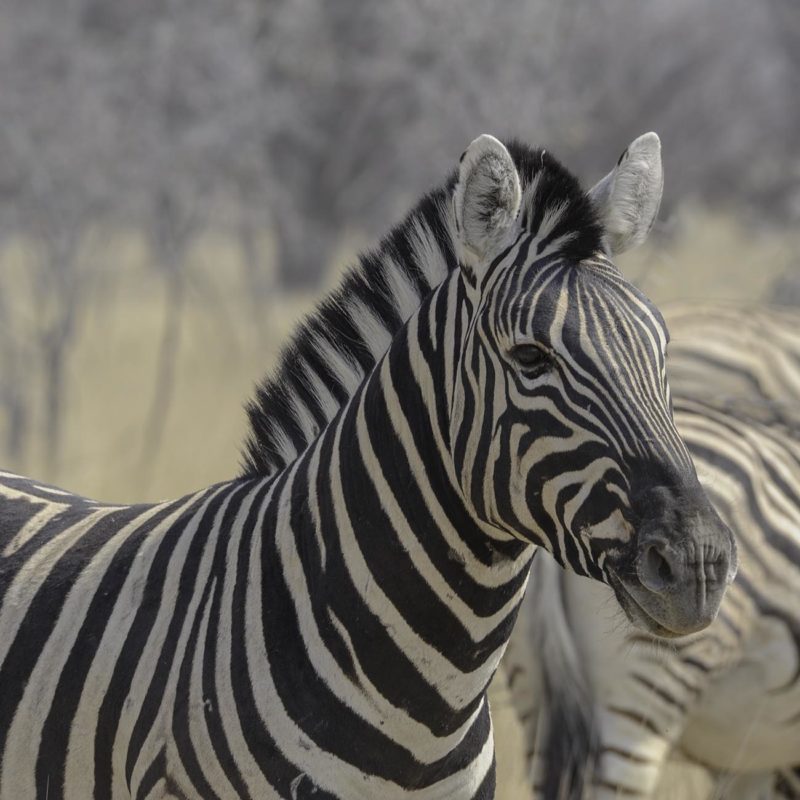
(746, 359)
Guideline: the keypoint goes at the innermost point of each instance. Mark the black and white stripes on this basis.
(326, 625)
(604, 705)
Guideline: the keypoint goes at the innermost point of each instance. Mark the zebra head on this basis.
(561, 429)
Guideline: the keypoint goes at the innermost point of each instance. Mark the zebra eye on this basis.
(531, 359)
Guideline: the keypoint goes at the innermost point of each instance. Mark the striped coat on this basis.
(728, 698)
(326, 625)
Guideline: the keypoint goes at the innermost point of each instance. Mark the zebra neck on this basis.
(407, 604)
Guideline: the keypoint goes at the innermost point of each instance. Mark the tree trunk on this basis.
(164, 388)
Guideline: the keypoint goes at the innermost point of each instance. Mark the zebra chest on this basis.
(749, 717)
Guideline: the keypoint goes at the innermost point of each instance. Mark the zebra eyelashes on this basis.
(532, 360)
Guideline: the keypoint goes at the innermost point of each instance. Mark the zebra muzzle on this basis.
(684, 559)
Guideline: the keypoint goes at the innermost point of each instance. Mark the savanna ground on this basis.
(226, 339)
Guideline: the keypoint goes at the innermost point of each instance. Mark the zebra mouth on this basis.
(636, 613)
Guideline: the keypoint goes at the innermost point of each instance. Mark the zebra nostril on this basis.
(664, 570)
(655, 571)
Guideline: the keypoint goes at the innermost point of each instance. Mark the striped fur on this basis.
(746, 358)
(728, 698)
(326, 625)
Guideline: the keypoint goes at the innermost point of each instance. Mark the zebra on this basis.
(604, 706)
(326, 624)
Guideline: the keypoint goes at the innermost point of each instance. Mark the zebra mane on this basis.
(336, 346)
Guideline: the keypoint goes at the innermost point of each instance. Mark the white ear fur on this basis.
(486, 201)
(629, 196)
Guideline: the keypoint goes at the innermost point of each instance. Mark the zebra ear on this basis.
(629, 196)
(486, 201)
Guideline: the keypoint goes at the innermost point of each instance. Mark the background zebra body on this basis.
(743, 358)
(729, 697)
(328, 624)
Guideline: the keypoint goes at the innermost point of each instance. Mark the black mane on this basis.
(557, 187)
(288, 410)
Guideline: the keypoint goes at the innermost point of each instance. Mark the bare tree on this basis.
(144, 116)
(366, 101)
(59, 190)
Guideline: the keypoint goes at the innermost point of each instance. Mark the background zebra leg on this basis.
(630, 761)
(644, 690)
(642, 697)
(682, 779)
